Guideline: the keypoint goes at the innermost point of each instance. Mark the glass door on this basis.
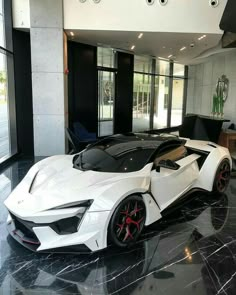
(177, 102)
(141, 102)
(106, 98)
(161, 100)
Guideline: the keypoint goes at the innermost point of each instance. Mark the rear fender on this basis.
(209, 168)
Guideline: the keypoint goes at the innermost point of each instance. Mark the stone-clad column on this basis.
(48, 79)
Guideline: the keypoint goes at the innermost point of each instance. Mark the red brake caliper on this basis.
(126, 213)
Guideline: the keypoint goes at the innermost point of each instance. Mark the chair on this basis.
(76, 143)
(82, 133)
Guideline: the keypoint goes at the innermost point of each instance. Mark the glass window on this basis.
(178, 70)
(177, 102)
(8, 138)
(106, 96)
(105, 57)
(142, 64)
(161, 100)
(4, 116)
(145, 102)
(141, 102)
(116, 155)
(162, 67)
(2, 27)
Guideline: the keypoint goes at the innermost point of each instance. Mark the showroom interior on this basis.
(79, 75)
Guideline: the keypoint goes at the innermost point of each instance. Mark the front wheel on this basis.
(127, 221)
(222, 177)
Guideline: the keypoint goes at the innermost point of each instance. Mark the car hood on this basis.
(58, 183)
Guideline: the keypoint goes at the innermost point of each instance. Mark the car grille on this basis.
(61, 227)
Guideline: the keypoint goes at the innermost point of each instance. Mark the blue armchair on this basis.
(82, 133)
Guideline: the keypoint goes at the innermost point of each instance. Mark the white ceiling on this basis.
(152, 43)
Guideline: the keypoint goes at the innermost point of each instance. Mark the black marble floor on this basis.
(190, 252)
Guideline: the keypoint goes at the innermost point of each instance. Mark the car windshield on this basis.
(115, 155)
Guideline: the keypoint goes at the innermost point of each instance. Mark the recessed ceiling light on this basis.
(202, 37)
(140, 35)
(170, 55)
(72, 33)
(132, 47)
(162, 58)
(183, 48)
(163, 47)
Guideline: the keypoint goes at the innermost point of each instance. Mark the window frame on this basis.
(171, 77)
(11, 103)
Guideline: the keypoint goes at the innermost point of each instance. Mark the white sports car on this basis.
(111, 190)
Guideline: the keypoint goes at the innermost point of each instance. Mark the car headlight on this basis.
(85, 204)
(70, 225)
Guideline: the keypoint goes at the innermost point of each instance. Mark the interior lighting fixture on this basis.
(202, 37)
(140, 35)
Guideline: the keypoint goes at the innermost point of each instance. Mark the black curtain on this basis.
(124, 93)
(82, 85)
(23, 92)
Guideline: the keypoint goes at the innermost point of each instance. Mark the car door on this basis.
(167, 185)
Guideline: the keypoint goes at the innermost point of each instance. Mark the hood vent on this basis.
(32, 183)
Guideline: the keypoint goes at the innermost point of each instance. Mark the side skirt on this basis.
(189, 196)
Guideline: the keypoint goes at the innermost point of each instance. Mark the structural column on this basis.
(48, 53)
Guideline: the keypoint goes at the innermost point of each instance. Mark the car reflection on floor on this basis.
(173, 257)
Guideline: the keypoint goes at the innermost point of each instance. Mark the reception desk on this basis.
(201, 127)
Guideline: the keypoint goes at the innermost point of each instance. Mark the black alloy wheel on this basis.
(127, 221)
(222, 177)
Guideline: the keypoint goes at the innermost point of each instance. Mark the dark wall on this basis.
(82, 79)
(124, 93)
(228, 20)
(23, 92)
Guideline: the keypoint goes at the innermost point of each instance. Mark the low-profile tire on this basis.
(127, 221)
(222, 177)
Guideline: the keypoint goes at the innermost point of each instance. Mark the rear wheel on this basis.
(222, 177)
(127, 221)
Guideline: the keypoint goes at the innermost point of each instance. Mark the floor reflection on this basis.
(191, 251)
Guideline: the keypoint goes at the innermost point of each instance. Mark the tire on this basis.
(222, 177)
(127, 222)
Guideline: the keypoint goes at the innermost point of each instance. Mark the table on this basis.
(228, 139)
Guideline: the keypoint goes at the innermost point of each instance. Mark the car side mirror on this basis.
(167, 164)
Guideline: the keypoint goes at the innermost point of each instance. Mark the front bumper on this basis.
(91, 234)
